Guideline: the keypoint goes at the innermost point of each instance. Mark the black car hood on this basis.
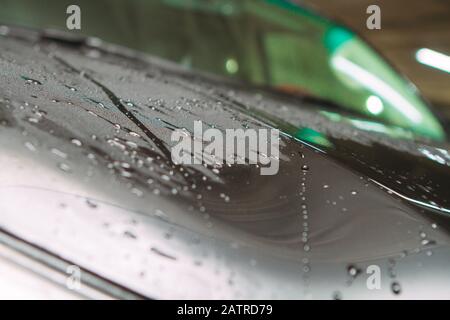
(85, 138)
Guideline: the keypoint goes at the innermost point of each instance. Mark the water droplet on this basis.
(353, 271)
(31, 81)
(137, 192)
(129, 234)
(337, 295)
(160, 214)
(396, 288)
(59, 153)
(71, 88)
(134, 134)
(76, 142)
(305, 167)
(91, 204)
(162, 254)
(125, 165)
(64, 167)
(30, 146)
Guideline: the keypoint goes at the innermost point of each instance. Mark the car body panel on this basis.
(87, 181)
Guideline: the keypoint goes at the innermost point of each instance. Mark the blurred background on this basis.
(407, 25)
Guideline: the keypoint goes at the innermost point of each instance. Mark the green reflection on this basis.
(336, 37)
(369, 81)
(232, 66)
(313, 137)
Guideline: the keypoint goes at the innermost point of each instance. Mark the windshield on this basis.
(264, 42)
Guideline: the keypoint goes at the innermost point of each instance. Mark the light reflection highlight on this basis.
(377, 86)
(433, 59)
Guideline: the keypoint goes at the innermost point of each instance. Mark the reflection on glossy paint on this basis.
(232, 66)
(371, 126)
(438, 155)
(417, 202)
(434, 59)
(393, 132)
(313, 137)
(374, 105)
(368, 85)
(378, 86)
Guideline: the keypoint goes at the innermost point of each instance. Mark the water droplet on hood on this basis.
(71, 88)
(31, 81)
(137, 192)
(91, 204)
(129, 234)
(337, 295)
(30, 146)
(59, 153)
(76, 142)
(64, 167)
(396, 288)
(353, 271)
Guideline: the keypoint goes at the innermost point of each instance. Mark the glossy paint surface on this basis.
(87, 175)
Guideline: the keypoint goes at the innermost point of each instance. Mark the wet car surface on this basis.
(87, 176)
